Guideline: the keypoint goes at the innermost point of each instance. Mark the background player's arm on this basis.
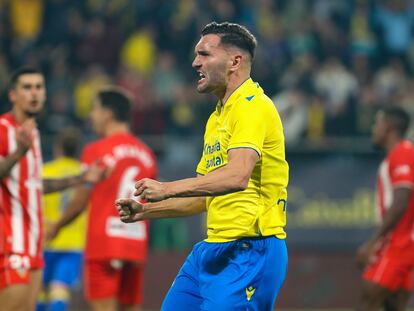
(76, 205)
(400, 203)
(94, 174)
(230, 178)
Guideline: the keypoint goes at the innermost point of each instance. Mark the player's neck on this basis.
(19, 116)
(234, 83)
(393, 141)
(116, 128)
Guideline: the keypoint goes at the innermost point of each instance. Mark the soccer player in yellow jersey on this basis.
(241, 184)
(63, 255)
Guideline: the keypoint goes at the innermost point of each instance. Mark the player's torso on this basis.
(246, 213)
(402, 236)
(21, 202)
(128, 161)
(72, 236)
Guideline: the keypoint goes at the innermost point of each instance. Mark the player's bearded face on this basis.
(211, 64)
(29, 94)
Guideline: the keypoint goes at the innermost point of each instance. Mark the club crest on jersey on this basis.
(249, 292)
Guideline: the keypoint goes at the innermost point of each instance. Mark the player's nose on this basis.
(196, 63)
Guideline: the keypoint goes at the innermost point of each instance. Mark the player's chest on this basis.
(216, 142)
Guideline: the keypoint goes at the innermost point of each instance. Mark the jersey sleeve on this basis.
(248, 128)
(402, 170)
(89, 155)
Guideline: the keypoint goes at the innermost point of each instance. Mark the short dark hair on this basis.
(399, 119)
(232, 34)
(116, 100)
(20, 72)
(69, 140)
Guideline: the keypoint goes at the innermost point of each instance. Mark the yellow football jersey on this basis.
(72, 236)
(248, 119)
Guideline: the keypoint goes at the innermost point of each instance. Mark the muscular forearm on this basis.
(224, 180)
(177, 207)
(53, 185)
(7, 163)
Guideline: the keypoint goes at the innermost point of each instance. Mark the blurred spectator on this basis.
(26, 18)
(394, 20)
(362, 38)
(86, 87)
(93, 47)
(292, 107)
(167, 78)
(389, 80)
(338, 87)
(182, 112)
(139, 51)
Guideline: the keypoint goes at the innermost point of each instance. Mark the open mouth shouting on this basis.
(201, 76)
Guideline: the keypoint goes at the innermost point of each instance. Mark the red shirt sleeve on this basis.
(89, 155)
(402, 169)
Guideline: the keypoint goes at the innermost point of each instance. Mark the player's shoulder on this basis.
(140, 148)
(404, 150)
(93, 145)
(257, 104)
(138, 142)
(6, 120)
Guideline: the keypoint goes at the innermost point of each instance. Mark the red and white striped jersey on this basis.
(20, 195)
(397, 170)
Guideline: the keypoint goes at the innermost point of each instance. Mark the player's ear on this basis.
(109, 115)
(12, 95)
(236, 61)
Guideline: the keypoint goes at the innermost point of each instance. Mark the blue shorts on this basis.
(62, 267)
(245, 274)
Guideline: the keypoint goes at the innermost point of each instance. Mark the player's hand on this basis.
(151, 190)
(365, 254)
(95, 173)
(51, 231)
(24, 136)
(129, 210)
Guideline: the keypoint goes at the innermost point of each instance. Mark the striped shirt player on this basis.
(20, 208)
(114, 265)
(20, 191)
(393, 267)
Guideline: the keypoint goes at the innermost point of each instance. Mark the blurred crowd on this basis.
(329, 65)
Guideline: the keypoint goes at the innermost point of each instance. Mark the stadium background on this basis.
(328, 65)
